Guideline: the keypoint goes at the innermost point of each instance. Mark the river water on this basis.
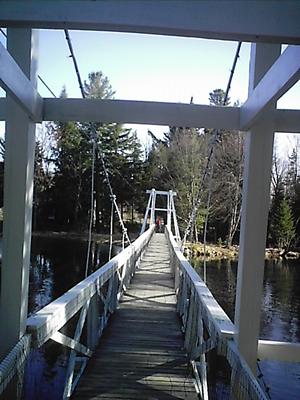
(280, 317)
(58, 264)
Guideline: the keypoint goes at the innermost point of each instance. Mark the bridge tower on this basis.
(170, 210)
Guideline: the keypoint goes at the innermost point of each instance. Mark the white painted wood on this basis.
(160, 192)
(254, 21)
(18, 192)
(279, 351)
(71, 343)
(283, 120)
(281, 76)
(169, 210)
(2, 108)
(255, 206)
(244, 384)
(18, 86)
(140, 112)
(55, 315)
(152, 213)
(146, 216)
(286, 120)
(68, 389)
(217, 316)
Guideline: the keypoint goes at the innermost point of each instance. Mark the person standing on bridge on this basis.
(158, 225)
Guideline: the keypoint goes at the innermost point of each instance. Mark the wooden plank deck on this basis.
(141, 354)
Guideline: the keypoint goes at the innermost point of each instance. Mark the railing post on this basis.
(18, 192)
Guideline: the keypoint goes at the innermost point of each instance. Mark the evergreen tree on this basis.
(285, 227)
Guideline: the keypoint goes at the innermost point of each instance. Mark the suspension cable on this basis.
(95, 142)
(215, 138)
(111, 229)
(206, 217)
(124, 229)
(91, 211)
(39, 76)
(72, 55)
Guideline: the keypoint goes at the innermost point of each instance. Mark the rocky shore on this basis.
(215, 252)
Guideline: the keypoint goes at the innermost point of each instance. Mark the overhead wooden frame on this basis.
(161, 18)
(253, 21)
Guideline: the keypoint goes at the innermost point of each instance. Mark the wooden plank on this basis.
(254, 21)
(141, 354)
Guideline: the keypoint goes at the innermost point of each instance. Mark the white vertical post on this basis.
(169, 210)
(146, 214)
(18, 192)
(153, 207)
(256, 197)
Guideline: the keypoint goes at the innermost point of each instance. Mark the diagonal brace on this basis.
(283, 74)
(16, 84)
(71, 343)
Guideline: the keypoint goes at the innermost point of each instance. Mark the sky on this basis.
(148, 67)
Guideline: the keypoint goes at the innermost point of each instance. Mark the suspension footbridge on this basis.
(83, 319)
(139, 327)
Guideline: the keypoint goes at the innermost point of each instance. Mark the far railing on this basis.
(206, 327)
(90, 303)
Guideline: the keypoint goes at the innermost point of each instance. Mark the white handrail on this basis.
(43, 324)
(46, 323)
(197, 306)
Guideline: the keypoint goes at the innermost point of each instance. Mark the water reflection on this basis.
(280, 317)
(56, 266)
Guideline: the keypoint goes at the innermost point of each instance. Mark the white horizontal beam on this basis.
(283, 74)
(255, 21)
(286, 120)
(161, 192)
(283, 120)
(141, 112)
(278, 351)
(16, 84)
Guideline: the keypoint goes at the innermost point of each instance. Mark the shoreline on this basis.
(102, 238)
(215, 252)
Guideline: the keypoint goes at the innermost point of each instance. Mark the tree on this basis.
(121, 152)
(176, 163)
(283, 227)
(227, 178)
(72, 160)
(217, 98)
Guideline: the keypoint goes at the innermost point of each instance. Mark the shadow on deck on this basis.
(141, 353)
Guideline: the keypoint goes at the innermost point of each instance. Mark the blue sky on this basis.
(148, 67)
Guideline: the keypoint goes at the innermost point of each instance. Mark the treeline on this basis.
(63, 170)
(178, 162)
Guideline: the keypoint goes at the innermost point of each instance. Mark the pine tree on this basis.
(285, 231)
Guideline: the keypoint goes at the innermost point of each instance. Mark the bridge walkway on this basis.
(141, 354)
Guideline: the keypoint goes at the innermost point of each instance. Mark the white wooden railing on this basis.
(94, 299)
(206, 326)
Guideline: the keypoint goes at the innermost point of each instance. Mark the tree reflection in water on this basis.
(56, 266)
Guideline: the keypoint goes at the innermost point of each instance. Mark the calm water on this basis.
(57, 265)
(280, 318)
